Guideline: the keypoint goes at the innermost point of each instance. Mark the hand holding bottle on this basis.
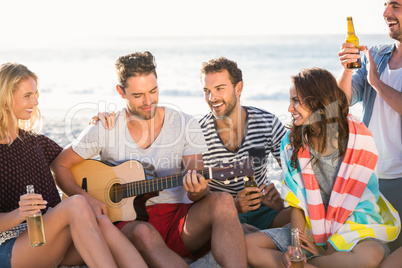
(348, 54)
(30, 204)
(309, 245)
(249, 198)
(294, 257)
(36, 231)
(286, 260)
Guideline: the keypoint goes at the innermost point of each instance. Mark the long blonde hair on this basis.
(11, 75)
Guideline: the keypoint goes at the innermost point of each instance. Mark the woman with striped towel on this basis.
(328, 161)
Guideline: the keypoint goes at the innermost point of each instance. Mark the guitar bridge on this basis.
(84, 185)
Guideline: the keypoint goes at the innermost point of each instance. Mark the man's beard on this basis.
(397, 34)
(228, 110)
(143, 115)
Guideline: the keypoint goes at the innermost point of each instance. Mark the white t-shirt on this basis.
(385, 125)
(180, 135)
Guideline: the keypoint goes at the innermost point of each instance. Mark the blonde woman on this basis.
(73, 234)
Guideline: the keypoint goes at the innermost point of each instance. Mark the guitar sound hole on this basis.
(116, 193)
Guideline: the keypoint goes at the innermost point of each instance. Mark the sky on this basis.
(52, 22)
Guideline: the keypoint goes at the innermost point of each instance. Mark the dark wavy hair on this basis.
(318, 91)
(135, 64)
(220, 64)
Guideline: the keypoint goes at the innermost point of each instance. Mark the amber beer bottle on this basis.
(250, 182)
(36, 232)
(352, 38)
(296, 258)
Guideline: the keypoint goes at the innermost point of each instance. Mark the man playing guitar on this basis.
(183, 221)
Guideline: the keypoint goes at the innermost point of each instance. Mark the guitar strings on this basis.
(135, 188)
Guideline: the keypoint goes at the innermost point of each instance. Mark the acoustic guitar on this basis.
(125, 188)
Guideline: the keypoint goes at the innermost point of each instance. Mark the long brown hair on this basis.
(318, 92)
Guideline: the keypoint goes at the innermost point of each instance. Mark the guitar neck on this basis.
(157, 184)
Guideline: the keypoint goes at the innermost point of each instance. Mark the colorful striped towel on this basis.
(356, 209)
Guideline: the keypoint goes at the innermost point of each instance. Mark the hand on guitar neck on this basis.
(195, 185)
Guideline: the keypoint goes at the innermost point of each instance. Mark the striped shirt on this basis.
(263, 135)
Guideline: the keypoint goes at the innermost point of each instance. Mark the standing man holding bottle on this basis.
(378, 83)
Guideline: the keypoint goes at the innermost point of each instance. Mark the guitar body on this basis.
(103, 183)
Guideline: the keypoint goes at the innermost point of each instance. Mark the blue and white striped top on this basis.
(263, 135)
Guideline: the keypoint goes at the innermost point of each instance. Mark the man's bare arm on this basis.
(65, 180)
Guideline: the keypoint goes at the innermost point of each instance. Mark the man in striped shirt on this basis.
(234, 132)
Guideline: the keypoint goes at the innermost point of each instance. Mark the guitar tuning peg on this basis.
(235, 179)
(246, 178)
(226, 182)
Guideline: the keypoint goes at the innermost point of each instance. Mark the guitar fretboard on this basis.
(157, 184)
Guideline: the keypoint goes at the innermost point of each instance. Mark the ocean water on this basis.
(76, 81)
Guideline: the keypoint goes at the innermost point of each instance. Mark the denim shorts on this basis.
(280, 236)
(5, 253)
(283, 239)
